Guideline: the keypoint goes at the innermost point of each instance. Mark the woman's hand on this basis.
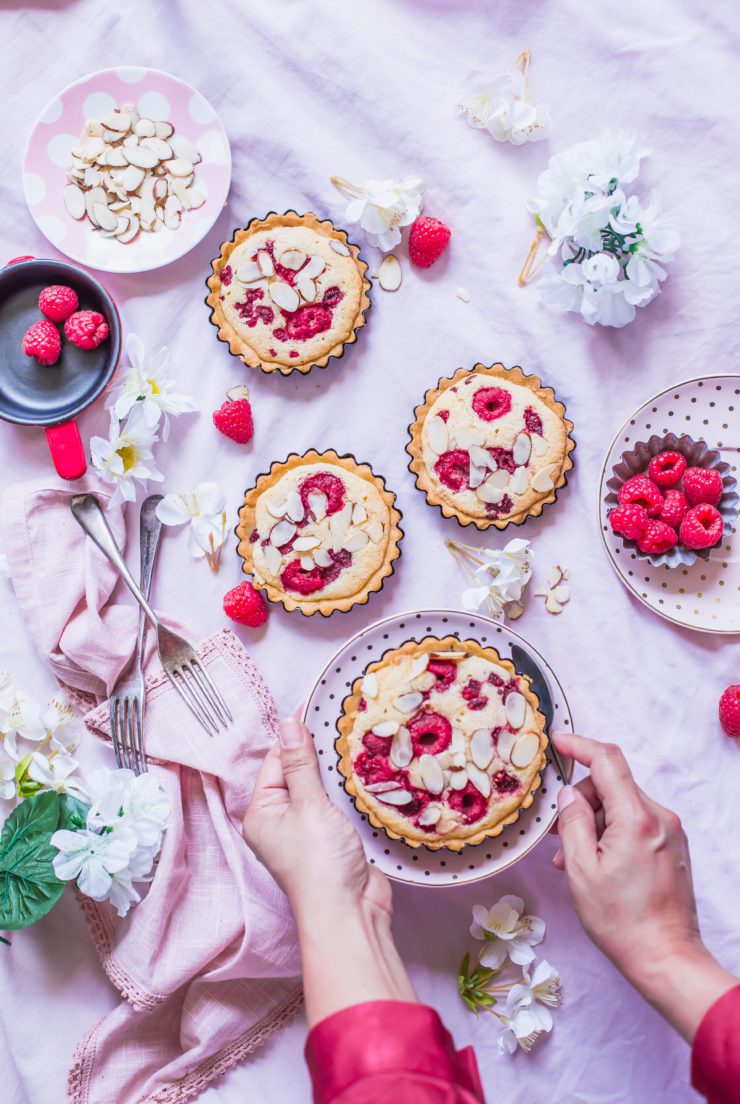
(627, 862)
(341, 904)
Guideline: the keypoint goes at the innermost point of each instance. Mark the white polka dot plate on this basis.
(706, 595)
(400, 862)
(157, 97)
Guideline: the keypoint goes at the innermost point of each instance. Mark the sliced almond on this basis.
(431, 774)
(104, 217)
(292, 259)
(314, 268)
(141, 156)
(306, 544)
(516, 709)
(306, 289)
(499, 478)
(522, 449)
(370, 685)
(524, 750)
(92, 148)
(437, 435)
(458, 779)
(409, 703)
(488, 493)
(561, 593)
(395, 797)
(92, 178)
(385, 728)
(74, 201)
(375, 531)
(458, 760)
(451, 655)
(277, 507)
(249, 272)
(116, 158)
(505, 743)
(431, 814)
(284, 296)
(402, 751)
(357, 540)
(476, 476)
(145, 128)
(389, 273)
(117, 121)
(519, 482)
(307, 562)
(281, 533)
(479, 778)
(359, 514)
(92, 197)
(133, 229)
(318, 504)
(132, 178)
(130, 141)
(554, 575)
(539, 445)
(294, 507)
(552, 605)
(514, 610)
(162, 149)
(481, 457)
(322, 558)
(481, 747)
(419, 666)
(543, 479)
(339, 247)
(178, 166)
(193, 199)
(265, 263)
(184, 149)
(461, 293)
(381, 787)
(273, 558)
(163, 129)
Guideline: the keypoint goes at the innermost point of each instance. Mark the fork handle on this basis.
(149, 529)
(88, 513)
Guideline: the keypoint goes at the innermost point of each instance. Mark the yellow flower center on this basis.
(128, 455)
(152, 384)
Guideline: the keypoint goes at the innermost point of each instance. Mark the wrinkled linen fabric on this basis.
(311, 89)
(206, 963)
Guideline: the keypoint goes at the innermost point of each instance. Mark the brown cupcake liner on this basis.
(238, 347)
(350, 711)
(246, 525)
(415, 451)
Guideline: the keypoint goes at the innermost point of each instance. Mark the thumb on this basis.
(299, 760)
(577, 827)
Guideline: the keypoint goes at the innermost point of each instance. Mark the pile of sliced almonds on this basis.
(456, 765)
(487, 479)
(261, 273)
(557, 594)
(130, 173)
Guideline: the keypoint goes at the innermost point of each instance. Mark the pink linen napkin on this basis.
(207, 961)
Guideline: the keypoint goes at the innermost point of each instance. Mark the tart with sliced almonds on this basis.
(441, 743)
(491, 446)
(319, 533)
(288, 292)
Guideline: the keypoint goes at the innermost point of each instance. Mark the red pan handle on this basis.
(67, 450)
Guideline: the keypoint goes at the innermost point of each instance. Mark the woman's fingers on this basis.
(610, 772)
(577, 823)
(300, 764)
(587, 788)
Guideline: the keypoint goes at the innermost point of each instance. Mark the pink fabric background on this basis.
(314, 88)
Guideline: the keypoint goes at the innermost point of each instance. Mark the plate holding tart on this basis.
(319, 532)
(288, 292)
(441, 743)
(491, 446)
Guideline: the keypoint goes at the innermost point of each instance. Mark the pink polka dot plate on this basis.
(159, 97)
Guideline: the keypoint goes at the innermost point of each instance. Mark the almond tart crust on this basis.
(490, 446)
(288, 292)
(319, 532)
(431, 719)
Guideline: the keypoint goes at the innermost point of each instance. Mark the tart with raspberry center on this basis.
(491, 446)
(319, 532)
(441, 743)
(288, 292)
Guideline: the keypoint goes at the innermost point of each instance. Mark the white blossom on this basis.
(56, 772)
(507, 931)
(522, 1030)
(125, 457)
(149, 385)
(119, 797)
(202, 509)
(91, 858)
(503, 106)
(382, 207)
(528, 1005)
(501, 578)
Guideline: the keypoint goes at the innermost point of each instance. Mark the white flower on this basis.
(119, 797)
(150, 385)
(595, 288)
(382, 207)
(522, 1030)
(55, 773)
(502, 106)
(507, 932)
(201, 508)
(501, 579)
(92, 858)
(8, 788)
(125, 456)
(121, 893)
(656, 245)
(528, 1005)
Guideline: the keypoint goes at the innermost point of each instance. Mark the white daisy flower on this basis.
(125, 457)
(149, 383)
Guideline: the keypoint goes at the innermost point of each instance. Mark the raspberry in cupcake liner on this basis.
(636, 461)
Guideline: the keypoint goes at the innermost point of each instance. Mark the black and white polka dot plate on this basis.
(706, 595)
(323, 709)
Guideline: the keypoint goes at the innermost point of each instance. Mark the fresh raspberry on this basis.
(470, 803)
(471, 692)
(234, 417)
(305, 582)
(323, 483)
(86, 329)
(729, 710)
(658, 537)
(245, 605)
(630, 521)
(453, 469)
(532, 421)
(667, 468)
(702, 485)
(428, 239)
(702, 526)
(504, 458)
(430, 732)
(58, 302)
(374, 768)
(490, 403)
(641, 491)
(444, 671)
(42, 341)
(503, 782)
(675, 505)
(379, 745)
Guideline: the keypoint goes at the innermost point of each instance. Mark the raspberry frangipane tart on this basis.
(490, 446)
(288, 292)
(441, 743)
(319, 532)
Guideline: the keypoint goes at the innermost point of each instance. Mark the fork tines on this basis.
(127, 733)
(197, 689)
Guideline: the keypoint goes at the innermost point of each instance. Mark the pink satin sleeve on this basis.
(715, 1057)
(389, 1050)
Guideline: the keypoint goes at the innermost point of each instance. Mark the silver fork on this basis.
(180, 662)
(127, 700)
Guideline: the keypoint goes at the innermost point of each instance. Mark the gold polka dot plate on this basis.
(704, 596)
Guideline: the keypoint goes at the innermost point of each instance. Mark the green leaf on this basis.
(72, 813)
(28, 885)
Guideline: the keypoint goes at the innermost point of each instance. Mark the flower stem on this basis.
(529, 268)
(346, 187)
(213, 557)
(462, 553)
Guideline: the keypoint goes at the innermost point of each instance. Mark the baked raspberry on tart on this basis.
(288, 292)
(441, 743)
(490, 446)
(319, 532)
